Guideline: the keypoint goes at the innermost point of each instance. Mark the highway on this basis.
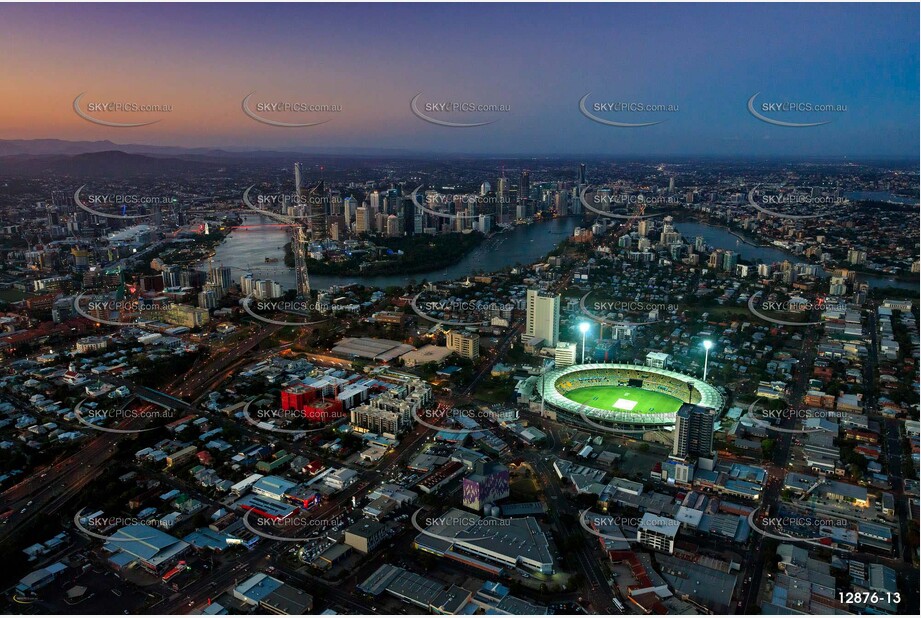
(57, 485)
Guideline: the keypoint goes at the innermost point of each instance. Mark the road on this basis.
(894, 449)
(55, 486)
(755, 556)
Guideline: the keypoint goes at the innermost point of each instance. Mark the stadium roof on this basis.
(709, 397)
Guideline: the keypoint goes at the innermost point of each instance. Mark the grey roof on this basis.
(145, 543)
(365, 528)
(378, 581)
(511, 538)
(288, 600)
(706, 586)
(452, 600)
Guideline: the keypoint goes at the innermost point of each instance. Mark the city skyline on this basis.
(460, 309)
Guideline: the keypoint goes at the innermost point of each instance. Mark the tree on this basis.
(767, 448)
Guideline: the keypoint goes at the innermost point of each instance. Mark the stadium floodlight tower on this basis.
(583, 328)
(707, 345)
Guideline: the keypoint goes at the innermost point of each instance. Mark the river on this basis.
(247, 247)
(721, 238)
(879, 196)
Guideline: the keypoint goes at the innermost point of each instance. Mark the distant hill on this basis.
(110, 164)
(12, 147)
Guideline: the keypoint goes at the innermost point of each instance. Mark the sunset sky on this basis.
(538, 60)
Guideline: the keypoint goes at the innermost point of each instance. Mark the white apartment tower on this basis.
(543, 317)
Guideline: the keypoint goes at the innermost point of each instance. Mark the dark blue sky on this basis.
(537, 59)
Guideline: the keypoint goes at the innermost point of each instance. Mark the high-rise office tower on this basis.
(362, 220)
(502, 200)
(582, 174)
(543, 317)
(524, 187)
(408, 212)
(693, 435)
(335, 203)
(393, 226)
(318, 209)
(171, 276)
(349, 206)
(300, 236)
(575, 201)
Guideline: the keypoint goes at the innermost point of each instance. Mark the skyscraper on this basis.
(362, 220)
(524, 187)
(543, 317)
(393, 226)
(299, 236)
(298, 180)
(642, 227)
(693, 435)
(408, 212)
(575, 201)
(246, 284)
(220, 275)
(171, 276)
(349, 206)
(501, 200)
(318, 209)
(582, 174)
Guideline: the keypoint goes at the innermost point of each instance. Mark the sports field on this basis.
(624, 399)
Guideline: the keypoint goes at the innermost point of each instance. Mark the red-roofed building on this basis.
(304, 398)
(297, 397)
(322, 411)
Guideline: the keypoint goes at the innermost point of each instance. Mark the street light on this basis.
(707, 345)
(583, 328)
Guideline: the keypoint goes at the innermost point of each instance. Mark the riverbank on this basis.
(721, 237)
(245, 251)
(408, 255)
(745, 239)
